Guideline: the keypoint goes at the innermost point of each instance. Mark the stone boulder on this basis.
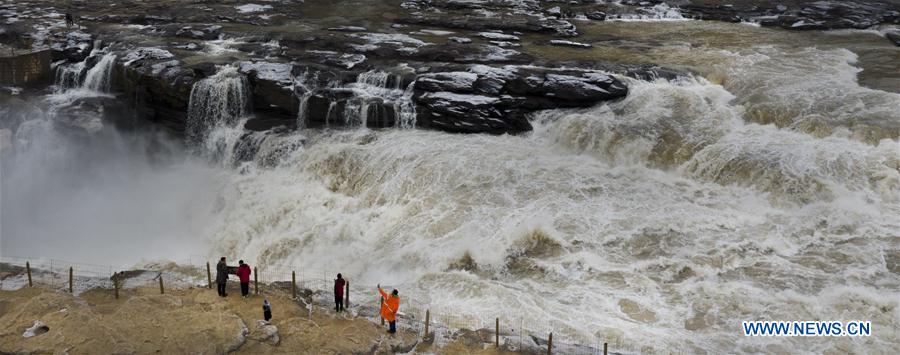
(265, 332)
(483, 99)
(894, 37)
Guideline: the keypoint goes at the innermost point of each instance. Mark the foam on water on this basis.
(811, 90)
(665, 216)
(664, 219)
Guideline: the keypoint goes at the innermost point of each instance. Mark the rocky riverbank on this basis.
(448, 65)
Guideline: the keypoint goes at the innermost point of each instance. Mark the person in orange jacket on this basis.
(389, 306)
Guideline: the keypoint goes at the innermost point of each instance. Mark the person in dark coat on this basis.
(221, 276)
(243, 273)
(339, 293)
(267, 310)
(70, 21)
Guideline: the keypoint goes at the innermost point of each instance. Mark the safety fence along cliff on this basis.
(313, 289)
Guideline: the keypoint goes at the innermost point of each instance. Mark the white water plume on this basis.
(79, 189)
(218, 107)
(812, 90)
(577, 216)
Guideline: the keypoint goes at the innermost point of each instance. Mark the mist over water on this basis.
(75, 187)
(664, 219)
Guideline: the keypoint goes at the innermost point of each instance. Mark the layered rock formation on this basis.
(457, 66)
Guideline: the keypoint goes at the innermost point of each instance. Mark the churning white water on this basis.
(664, 219)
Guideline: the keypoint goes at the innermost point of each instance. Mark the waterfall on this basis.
(381, 89)
(405, 109)
(307, 84)
(219, 100)
(68, 76)
(331, 107)
(98, 78)
(303, 111)
(215, 111)
(77, 76)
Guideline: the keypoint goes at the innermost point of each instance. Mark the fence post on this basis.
(347, 296)
(116, 284)
(604, 348)
(294, 284)
(71, 280)
(427, 320)
(28, 271)
(379, 312)
(208, 276)
(162, 291)
(550, 344)
(497, 332)
(255, 280)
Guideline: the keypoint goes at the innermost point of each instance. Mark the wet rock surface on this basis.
(457, 66)
(496, 100)
(799, 15)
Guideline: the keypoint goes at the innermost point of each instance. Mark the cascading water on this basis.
(671, 215)
(664, 219)
(218, 106)
(376, 89)
(99, 77)
(69, 76)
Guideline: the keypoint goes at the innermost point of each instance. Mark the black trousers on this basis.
(245, 288)
(221, 288)
(338, 303)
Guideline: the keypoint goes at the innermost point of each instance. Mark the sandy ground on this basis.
(195, 320)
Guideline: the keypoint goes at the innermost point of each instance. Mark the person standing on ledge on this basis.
(243, 273)
(389, 306)
(221, 276)
(339, 293)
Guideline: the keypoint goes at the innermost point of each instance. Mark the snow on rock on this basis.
(376, 40)
(16, 282)
(250, 8)
(37, 329)
(496, 53)
(498, 36)
(451, 98)
(455, 81)
(348, 29)
(158, 68)
(346, 60)
(560, 42)
(436, 32)
(142, 53)
(460, 39)
(279, 73)
(485, 99)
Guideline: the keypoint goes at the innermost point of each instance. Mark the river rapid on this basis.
(764, 187)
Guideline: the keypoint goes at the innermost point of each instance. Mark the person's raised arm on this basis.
(381, 291)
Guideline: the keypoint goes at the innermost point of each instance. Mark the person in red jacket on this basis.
(339, 293)
(243, 273)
